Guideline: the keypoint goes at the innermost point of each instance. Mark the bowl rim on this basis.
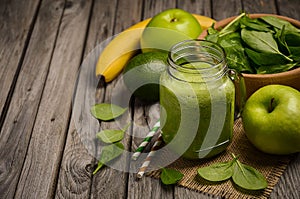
(285, 74)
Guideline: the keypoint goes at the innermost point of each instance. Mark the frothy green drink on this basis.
(197, 108)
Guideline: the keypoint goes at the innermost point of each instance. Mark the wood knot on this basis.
(89, 168)
(68, 4)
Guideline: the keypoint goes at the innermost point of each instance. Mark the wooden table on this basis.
(43, 43)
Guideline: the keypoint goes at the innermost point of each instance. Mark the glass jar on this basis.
(197, 99)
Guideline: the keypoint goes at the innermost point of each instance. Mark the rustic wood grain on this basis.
(17, 19)
(17, 128)
(46, 152)
(288, 185)
(197, 7)
(151, 8)
(289, 182)
(74, 174)
(39, 174)
(145, 117)
(259, 6)
(289, 8)
(111, 182)
(222, 9)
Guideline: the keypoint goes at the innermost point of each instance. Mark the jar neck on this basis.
(197, 61)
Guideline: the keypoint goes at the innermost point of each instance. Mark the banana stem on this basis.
(101, 84)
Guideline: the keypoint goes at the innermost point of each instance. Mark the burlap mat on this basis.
(271, 166)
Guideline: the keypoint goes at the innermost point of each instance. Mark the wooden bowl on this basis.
(256, 81)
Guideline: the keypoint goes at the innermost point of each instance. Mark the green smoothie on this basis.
(197, 115)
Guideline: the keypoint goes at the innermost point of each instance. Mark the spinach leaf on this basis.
(292, 38)
(107, 111)
(291, 42)
(112, 135)
(276, 68)
(233, 26)
(261, 42)
(243, 175)
(217, 172)
(260, 58)
(254, 24)
(279, 23)
(170, 176)
(235, 53)
(109, 153)
(280, 36)
(212, 34)
(295, 53)
(248, 178)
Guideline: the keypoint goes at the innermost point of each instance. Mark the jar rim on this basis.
(196, 47)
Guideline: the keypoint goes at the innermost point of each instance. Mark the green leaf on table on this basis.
(279, 23)
(217, 172)
(170, 176)
(109, 153)
(248, 178)
(107, 112)
(112, 135)
(243, 175)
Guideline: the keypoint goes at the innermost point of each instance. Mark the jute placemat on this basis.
(271, 166)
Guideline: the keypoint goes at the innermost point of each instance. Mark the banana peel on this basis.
(124, 46)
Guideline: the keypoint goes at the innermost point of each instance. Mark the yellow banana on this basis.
(124, 46)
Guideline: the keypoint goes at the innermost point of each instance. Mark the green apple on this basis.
(271, 119)
(168, 28)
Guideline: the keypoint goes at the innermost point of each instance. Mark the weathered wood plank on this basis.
(259, 6)
(17, 18)
(75, 180)
(145, 116)
(289, 8)
(288, 185)
(17, 128)
(151, 8)
(222, 9)
(112, 182)
(197, 7)
(39, 175)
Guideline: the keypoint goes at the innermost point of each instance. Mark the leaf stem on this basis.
(232, 22)
(100, 164)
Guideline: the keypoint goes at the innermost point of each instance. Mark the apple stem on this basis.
(271, 107)
(173, 20)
